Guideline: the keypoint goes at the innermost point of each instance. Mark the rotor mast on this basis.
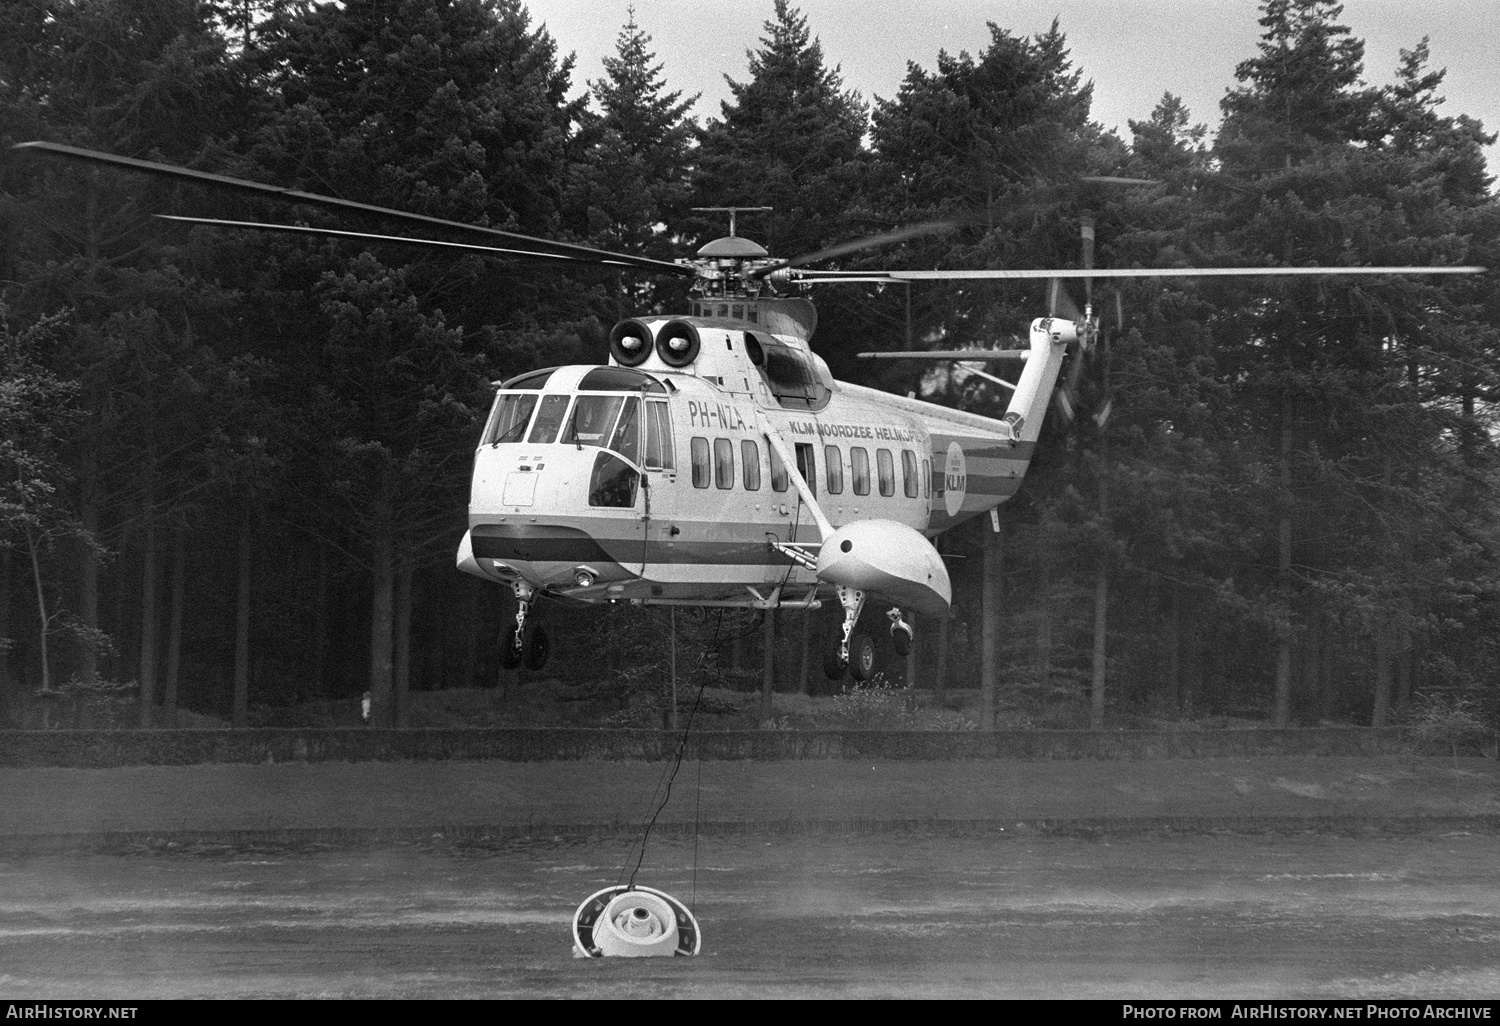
(724, 268)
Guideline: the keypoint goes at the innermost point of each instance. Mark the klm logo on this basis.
(955, 479)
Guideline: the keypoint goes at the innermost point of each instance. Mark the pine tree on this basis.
(455, 110)
(791, 139)
(1354, 450)
(629, 182)
(142, 78)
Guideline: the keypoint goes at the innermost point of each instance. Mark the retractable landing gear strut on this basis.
(517, 643)
(901, 632)
(852, 653)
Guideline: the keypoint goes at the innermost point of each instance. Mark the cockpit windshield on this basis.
(607, 421)
(511, 415)
(549, 419)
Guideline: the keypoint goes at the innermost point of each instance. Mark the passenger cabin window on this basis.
(806, 467)
(658, 437)
(780, 479)
(859, 470)
(886, 465)
(701, 471)
(723, 463)
(909, 473)
(512, 414)
(926, 480)
(548, 419)
(750, 461)
(834, 461)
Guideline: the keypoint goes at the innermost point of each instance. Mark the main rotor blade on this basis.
(1117, 180)
(952, 355)
(297, 229)
(856, 245)
(294, 196)
(818, 277)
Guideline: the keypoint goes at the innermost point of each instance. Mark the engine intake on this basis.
(630, 343)
(678, 344)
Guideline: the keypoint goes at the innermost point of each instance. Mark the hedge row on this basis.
(100, 748)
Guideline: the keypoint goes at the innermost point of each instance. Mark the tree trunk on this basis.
(473, 620)
(1311, 662)
(403, 643)
(44, 618)
(88, 565)
(241, 713)
(120, 637)
(989, 653)
(1283, 712)
(911, 654)
(768, 667)
(382, 624)
(321, 686)
(1327, 679)
(1192, 667)
(1101, 654)
(1403, 680)
(5, 703)
(804, 678)
(1382, 680)
(148, 604)
(174, 627)
(1044, 636)
(940, 684)
(1174, 652)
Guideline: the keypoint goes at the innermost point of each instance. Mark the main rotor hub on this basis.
(723, 268)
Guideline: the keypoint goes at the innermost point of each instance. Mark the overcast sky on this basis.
(1133, 50)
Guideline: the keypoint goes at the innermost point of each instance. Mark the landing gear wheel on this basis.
(901, 640)
(861, 657)
(833, 666)
(537, 649)
(510, 651)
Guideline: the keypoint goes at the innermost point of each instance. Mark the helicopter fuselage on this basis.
(661, 483)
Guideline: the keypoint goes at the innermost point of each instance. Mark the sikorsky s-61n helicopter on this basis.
(714, 460)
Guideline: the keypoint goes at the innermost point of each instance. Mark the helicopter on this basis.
(712, 460)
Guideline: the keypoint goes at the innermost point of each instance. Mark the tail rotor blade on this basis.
(1059, 303)
(1086, 229)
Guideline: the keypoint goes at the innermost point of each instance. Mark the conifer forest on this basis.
(234, 466)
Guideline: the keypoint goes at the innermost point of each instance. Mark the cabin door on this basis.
(659, 464)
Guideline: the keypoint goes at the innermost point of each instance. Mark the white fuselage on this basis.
(657, 483)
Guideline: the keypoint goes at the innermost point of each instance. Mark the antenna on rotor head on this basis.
(732, 211)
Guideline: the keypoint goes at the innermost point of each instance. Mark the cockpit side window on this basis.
(593, 418)
(549, 419)
(512, 414)
(658, 437)
(627, 437)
